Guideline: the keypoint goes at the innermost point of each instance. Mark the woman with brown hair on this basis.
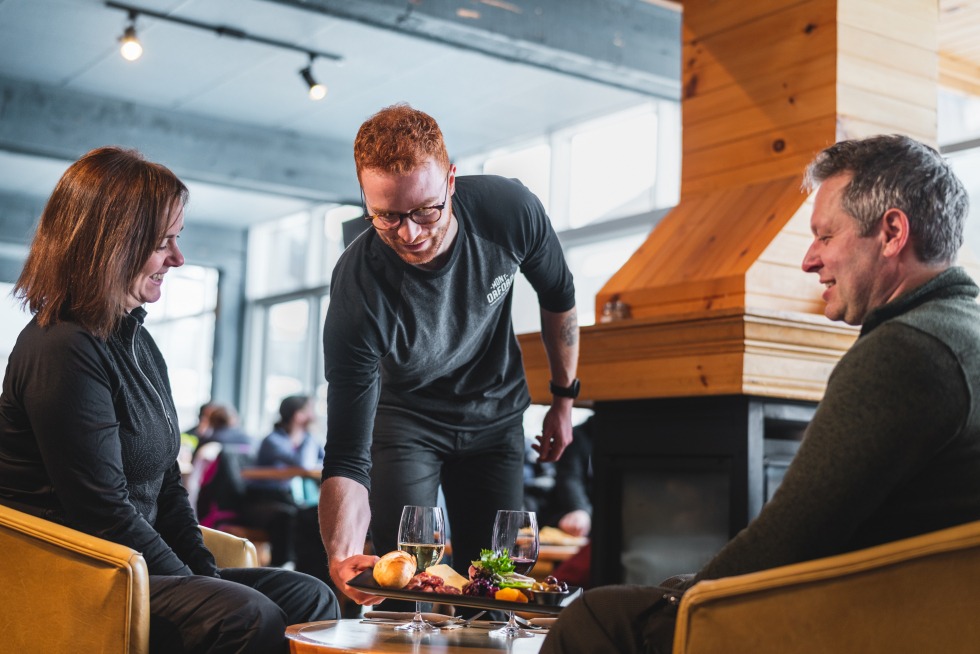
(88, 429)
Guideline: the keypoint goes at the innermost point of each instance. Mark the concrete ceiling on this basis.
(232, 118)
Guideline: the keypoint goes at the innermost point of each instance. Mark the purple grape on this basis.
(480, 587)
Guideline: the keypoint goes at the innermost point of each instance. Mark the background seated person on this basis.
(290, 444)
(571, 503)
(893, 450)
(271, 504)
(223, 428)
(203, 426)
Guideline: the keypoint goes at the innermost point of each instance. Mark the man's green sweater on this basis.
(894, 447)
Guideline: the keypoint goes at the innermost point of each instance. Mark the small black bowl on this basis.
(548, 597)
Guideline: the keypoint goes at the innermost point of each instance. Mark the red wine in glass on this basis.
(516, 533)
(522, 566)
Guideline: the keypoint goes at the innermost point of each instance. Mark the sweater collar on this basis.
(952, 282)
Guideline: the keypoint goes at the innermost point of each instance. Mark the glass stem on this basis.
(418, 613)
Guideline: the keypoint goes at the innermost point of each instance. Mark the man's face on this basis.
(427, 185)
(849, 265)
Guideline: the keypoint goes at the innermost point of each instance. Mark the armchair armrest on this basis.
(66, 591)
(230, 551)
(915, 595)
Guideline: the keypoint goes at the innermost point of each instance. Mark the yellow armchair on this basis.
(66, 591)
(915, 595)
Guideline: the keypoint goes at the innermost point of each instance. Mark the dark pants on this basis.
(621, 619)
(311, 558)
(274, 512)
(246, 610)
(480, 473)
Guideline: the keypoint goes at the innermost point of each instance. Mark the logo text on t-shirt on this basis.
(501, 284)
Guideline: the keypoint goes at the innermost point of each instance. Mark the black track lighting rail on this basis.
(222, 30)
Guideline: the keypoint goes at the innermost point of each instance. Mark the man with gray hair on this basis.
(893, 450)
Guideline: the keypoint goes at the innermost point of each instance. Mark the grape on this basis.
(480, 587)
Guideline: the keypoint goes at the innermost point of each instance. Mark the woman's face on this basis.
(147, 285)
(305, 416)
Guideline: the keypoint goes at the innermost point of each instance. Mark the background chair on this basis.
(217, 493)
(915, 595)
(66, 591)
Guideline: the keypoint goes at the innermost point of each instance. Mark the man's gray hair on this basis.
(897, 172)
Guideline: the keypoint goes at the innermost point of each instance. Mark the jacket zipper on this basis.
(136, 362)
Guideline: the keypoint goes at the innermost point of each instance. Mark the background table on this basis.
(350, 636)
(280, 473)
(549, 556)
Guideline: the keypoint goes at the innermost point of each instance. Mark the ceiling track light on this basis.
(131, 49)
(317, 91)
(129, 45)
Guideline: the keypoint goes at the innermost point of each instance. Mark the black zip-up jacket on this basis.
(89, 439)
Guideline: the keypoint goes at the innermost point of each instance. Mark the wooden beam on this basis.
(61, 123)
(764, 353)
(628, 45)
(959, 75)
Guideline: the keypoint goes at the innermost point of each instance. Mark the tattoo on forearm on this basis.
(569, 330)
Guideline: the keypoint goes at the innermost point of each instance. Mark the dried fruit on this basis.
(510, 595)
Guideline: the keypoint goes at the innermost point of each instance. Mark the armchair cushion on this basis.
(915, 595)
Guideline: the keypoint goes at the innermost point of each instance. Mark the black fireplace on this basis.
(676, 478)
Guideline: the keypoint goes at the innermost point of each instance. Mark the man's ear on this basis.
(895, 232)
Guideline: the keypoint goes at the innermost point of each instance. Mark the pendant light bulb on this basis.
(317, 91)
(129, 46)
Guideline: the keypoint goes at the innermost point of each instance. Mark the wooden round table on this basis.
(350, 636)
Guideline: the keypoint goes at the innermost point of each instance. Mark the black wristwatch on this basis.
(566, 391)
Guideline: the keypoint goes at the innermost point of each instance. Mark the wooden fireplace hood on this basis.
(718, 302)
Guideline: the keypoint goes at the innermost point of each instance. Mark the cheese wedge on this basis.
(449, 576)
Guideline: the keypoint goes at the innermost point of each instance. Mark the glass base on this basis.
(417, 625)
(508, 631)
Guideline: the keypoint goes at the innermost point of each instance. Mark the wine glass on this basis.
(422, 534)
(517, 533)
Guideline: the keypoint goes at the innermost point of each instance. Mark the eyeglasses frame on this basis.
(411, 215)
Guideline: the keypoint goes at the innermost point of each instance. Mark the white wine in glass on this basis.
(426, 554)
(422, 534)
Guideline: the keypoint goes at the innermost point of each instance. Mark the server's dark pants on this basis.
(246, 610)
(480, 473)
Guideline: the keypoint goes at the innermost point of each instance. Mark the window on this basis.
(959, 134)
(182, 324)
(12, 321)
(594, 264)
(613, 168)
(959, 117)
(284, 355)
(531, 165)
(610, 170)
(280, 254)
